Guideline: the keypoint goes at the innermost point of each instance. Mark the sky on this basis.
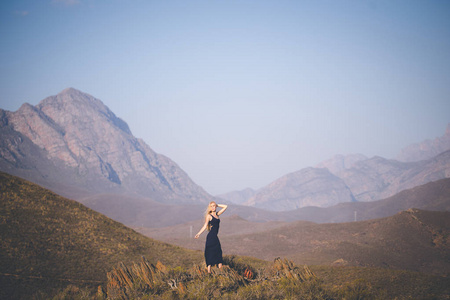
(240, 93)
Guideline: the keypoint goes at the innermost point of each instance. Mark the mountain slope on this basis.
(48, 241)
(414, 240)
(96, 150)
(411, 240)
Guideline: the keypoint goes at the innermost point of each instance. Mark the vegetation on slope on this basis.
(52, 247)
(242, 279)
(48, 241)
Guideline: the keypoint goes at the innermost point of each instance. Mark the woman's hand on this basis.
(197, 236)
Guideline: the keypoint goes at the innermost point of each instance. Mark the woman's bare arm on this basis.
(224, 208)
(207, 219)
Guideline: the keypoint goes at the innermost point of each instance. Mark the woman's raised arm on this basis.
(224, 208)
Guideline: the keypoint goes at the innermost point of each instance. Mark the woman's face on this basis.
(213, 206)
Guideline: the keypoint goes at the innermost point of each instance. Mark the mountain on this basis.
(238, 197)
(433, 196)
(75, 145)
(378, 178)
(238, 220)
(48, 242)
(363, 180)
(339, 162)
(366, 179)
(426, 149)
(307, 187)
(142, 212)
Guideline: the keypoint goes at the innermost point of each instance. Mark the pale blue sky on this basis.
(239, 93)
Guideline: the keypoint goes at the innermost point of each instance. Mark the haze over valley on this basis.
(75, 145)
(323, 125)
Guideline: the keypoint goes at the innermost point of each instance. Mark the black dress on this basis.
(213, 250)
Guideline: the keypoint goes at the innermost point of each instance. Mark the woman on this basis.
(213, 250)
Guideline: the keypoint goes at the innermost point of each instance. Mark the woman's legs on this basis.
(209, 267)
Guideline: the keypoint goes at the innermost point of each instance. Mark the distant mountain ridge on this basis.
(307, 187)
(361, 178)
(426, 149)
(80, 143)
(73, 144)
(364, 180)
(238, 197)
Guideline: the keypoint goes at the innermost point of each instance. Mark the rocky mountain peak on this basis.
(80, 132)
(72, 106)
(339, 162)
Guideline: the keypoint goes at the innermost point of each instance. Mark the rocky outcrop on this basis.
(79, 132)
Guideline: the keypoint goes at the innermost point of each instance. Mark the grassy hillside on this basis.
(47, 242)
(245, 278)
(54, 246)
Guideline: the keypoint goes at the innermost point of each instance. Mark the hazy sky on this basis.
(239, 93)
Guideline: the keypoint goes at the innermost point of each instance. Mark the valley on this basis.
(53, 246)
(81, 197)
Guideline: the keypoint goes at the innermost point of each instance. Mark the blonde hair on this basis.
(208, 211)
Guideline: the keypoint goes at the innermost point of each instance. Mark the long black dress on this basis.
(213, 250)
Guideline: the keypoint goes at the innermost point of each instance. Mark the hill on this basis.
(54, 246)
(48, 242)
(414, 240)
(411, 240)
